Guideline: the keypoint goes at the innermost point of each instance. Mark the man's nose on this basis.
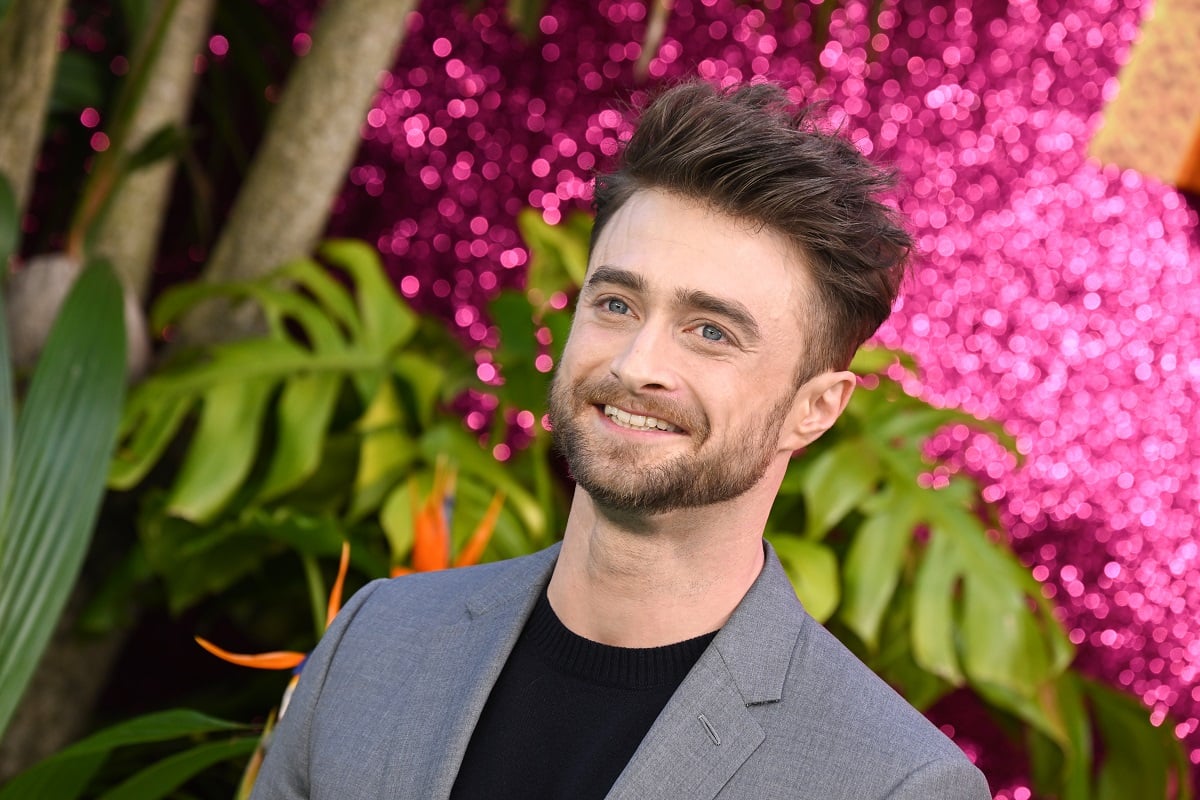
(646, 361)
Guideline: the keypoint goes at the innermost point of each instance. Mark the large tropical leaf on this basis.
(65, 775)
(264, 406)
(52, 467)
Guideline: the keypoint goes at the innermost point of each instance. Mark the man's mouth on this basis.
(638, 422)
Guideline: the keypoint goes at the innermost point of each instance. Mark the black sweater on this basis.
(567, 714)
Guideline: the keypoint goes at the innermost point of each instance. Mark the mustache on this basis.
(607, 390)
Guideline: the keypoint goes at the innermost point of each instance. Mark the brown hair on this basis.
(748, 153)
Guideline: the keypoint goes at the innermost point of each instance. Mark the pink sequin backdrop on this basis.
(1054, 293)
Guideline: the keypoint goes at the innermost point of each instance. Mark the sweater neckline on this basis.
(621, 667)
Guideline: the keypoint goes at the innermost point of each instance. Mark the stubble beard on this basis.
(611, 472)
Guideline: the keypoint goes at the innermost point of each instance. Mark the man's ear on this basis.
(818, 405)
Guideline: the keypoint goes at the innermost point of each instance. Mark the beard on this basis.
(613, 473)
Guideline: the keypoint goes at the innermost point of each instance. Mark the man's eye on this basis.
(712, 333)
(616, 306)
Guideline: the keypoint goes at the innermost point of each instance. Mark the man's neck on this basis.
(655, 581)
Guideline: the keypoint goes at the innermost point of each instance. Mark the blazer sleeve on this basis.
(943, 779)
(284, 773)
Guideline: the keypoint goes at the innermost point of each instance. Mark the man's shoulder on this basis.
(829, 721)
(833, 704)
(841, 693)
(442, 596)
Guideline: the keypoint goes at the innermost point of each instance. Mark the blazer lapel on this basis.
(457, 674)
(707, 731)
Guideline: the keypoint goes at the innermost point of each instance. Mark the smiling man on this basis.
(740, 256)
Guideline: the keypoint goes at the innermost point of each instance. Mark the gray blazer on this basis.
(776, 707)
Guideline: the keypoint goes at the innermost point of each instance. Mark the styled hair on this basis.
(749, 153)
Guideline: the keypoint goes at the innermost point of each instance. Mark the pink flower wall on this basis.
(1052, 292)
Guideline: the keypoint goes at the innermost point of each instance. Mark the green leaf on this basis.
(78, 83)
(874, 564)
(388, 322)
(514, 316)
(925, 422)
(836, 482)
(895, 662)
(934, 619)
(160, 779)
(197, 562)
(1139, 759)
(424, 380)
(62, 443)
(150, 423)
(63, 780)
(558, 253)
(386, 453)
(305, 407)
(1002, 641)
(396, 518)
(813, 569)
(331, 295)
(57, 777)
(222, 451)
(176, 300)
(10, 224)
(112, 607)
(523, 16)
(1059, 736)
(317, 535)
(169, 140)
(872, 360)
(525, 387)
(137, 16)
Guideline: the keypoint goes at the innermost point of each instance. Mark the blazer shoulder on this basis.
(434, 599)
(842, 691)
(834, 704)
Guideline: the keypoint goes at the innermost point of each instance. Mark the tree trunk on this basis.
(129, 233)
(28, 55)
(284, 203)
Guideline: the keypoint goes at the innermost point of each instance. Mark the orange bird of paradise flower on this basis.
(287, 659)
(431, 551)
(431, 534)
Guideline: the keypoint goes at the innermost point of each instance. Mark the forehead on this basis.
(677, 243)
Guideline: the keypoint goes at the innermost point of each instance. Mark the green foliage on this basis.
(299, 439)
(66, 774)
(1135, 766)
(10, 222)
(79, 82)
(52, 459)
(924, 588)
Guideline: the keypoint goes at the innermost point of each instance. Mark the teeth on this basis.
(637, 421)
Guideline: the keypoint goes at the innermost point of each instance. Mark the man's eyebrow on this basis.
(731, 310)
(617, 277)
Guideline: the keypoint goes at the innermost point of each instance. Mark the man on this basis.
(739, 258)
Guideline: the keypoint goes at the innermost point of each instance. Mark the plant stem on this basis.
(316, 591)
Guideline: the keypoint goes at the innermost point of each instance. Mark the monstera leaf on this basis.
(268, 402)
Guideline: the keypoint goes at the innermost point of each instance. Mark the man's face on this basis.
(678, 377)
